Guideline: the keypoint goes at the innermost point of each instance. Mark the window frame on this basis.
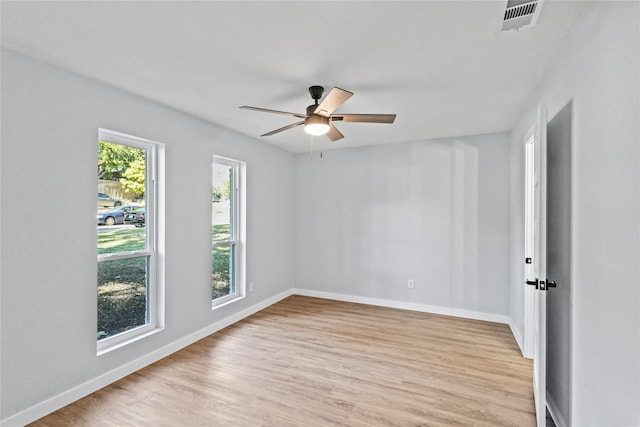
(236, 241)
(150, 252)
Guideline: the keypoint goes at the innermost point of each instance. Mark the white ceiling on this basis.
(442, 66)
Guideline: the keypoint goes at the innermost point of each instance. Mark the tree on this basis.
(115, 159)
(222, 191)
(133, 178)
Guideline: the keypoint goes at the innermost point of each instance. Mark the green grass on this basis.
(220, 285)
(122, 295)
(121, 306)
(121, 240)
(220, 232)
(122, 291)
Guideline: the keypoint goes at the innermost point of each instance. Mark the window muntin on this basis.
(127, 261)
(226, 232)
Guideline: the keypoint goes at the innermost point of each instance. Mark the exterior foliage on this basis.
(133, 179)
(117, 162)
(222, 191)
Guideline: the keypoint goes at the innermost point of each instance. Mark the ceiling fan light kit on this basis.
(319, 117)
(316, 125)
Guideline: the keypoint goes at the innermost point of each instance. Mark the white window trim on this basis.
(155, 312)
(237, 232)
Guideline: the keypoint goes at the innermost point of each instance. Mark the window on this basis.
(127, 239)
(227, 231)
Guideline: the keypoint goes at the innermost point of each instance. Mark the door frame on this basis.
(529, 206)
(535, 248)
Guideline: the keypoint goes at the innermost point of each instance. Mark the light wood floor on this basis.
(314, 362)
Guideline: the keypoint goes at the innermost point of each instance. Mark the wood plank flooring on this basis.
(314, 362)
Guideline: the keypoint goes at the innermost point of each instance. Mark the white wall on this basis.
(368, 219)
(599, 70)
(50, 121)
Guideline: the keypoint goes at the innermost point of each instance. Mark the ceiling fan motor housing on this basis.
(311, 109)
(316, 92)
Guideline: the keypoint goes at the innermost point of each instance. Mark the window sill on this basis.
(221, 302)
(104, 348)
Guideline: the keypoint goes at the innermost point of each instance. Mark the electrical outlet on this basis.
(251, 287)
(411, 284)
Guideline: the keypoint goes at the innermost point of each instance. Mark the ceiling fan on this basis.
(319, 118)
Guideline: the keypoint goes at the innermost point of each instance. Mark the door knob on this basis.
(551, 284)
(533, 282)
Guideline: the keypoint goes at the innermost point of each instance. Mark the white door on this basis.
(539, 267)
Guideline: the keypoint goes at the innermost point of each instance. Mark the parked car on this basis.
(115, 216)
(106, 201)
(136, 218)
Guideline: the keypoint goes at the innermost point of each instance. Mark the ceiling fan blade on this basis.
(283, 128)
(334, 134)
(332, 101)
(266, 110)
(365, 118)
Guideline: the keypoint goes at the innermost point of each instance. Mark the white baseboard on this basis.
(56, 402)
(517, 336)
(553, 409)
(447, 311)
